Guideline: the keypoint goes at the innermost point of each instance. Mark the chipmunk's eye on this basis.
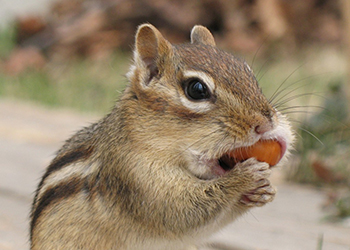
(196, 90)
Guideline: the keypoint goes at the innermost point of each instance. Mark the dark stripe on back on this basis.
(55, 194)
(61, 161)
(71, 156)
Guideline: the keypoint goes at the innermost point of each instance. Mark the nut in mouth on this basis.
(270, 151)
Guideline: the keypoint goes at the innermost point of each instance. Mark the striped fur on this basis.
(62, 179)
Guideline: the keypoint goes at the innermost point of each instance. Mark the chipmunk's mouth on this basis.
(269, 151)
(227, 162)
(224, 164)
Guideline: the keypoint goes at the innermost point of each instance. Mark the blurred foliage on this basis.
(7, 41)
(343, 207)
(84, 85)
(322, 151)
(324, 142)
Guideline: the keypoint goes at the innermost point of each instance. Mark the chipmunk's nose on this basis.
(263, 128)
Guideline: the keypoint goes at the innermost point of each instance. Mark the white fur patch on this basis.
(131, 72)
(200, 165)
(80, 170)
(281, 132)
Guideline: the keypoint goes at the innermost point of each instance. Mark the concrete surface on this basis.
(30, 135)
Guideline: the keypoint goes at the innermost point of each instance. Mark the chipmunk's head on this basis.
(199, 103)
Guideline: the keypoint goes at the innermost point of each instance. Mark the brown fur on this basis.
(126, 181)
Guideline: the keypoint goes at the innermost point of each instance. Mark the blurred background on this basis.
(73, 54)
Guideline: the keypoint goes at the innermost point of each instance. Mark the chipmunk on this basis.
(156, 172)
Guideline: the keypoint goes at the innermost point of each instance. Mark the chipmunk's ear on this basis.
(151, 48)
(201, 35)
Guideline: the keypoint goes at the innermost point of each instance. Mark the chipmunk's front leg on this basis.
(245, 186)
(219, 201)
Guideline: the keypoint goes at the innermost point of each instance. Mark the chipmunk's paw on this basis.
(260, 190)
(259, 196)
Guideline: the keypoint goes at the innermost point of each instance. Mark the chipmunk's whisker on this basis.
(258, 50)
(294, 97)
(258, 76)
(272, 99)
(312, 134)
(302, 107)
(282, 84)
(299, 112)
(308, 109)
